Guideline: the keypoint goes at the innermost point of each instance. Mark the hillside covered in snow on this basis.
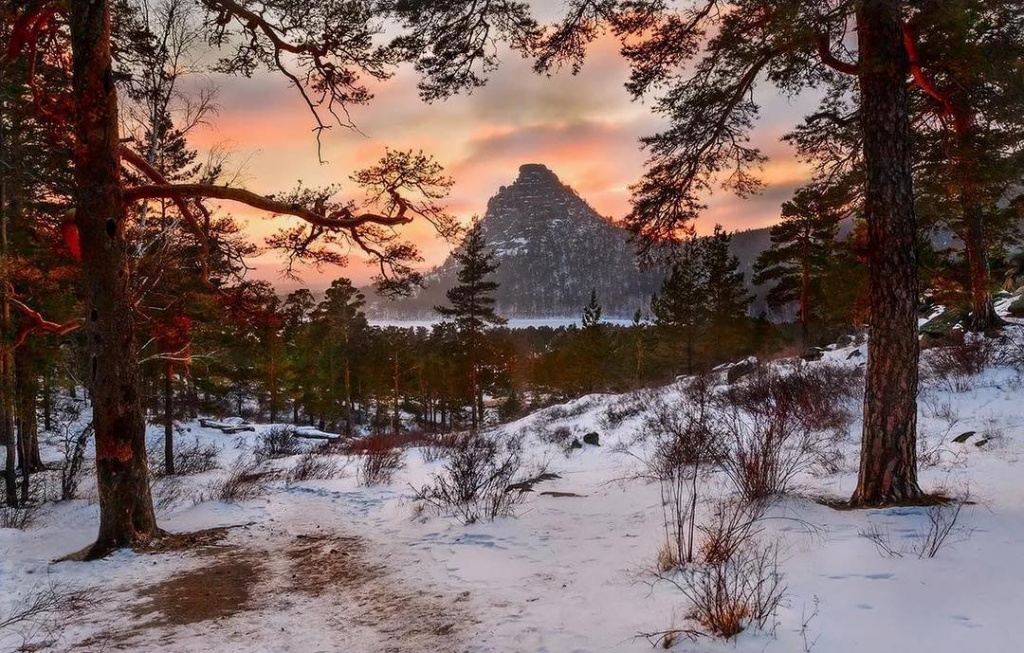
(298, 543)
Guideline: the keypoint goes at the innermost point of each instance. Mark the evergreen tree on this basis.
(472, 307)
(800, 253)
(681, 306)
(342, 328)
(727, 296)
(593, 357)
(704, 292)
(592, 312)
(705, 64)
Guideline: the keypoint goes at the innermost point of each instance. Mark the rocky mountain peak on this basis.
(537, 174)
(552, 249)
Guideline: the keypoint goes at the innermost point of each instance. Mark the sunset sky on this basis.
(585, 128)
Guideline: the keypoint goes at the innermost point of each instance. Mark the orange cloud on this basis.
(585, 128)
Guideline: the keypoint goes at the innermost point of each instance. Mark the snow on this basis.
(567, 573)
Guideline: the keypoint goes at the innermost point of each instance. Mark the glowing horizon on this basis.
(584, 128)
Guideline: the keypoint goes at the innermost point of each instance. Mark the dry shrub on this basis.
(476, 482)
(313, 466)
(942, 522)
(743, 590)
(196, 458)
(168, 491)
(439, 446)
(18, 517)
(382, 458)
(1011, 351)
(626, 407)
(277, 442)
(245, 480)
(733, 525)
(668, 558)
(40, 618)
(782, 424)
(74, 437)
(681, 439)
(955, 366)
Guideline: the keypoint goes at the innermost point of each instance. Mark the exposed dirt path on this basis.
(322, 591)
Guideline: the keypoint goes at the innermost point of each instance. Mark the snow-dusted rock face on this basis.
(553, 249)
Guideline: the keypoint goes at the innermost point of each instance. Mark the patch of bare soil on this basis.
(407, 619)
(215, 591)
(343, 575)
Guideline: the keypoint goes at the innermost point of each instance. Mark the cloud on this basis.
(584, 127)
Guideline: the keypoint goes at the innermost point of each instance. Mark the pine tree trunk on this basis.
(983, 313)
(26, 382)
(169, 419)
(48, 399)
(7, 433)
(6, 355)
(888, 464)
(126, 506)
(805, 294)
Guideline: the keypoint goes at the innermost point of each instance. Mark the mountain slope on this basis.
(553, 249)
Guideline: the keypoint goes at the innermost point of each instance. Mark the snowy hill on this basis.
(323, 562)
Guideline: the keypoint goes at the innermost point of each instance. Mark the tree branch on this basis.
(920, 79)
(142, 165)
(340, 220)
(830, 60)
(38, 323)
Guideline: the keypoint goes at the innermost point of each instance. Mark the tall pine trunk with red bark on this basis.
(888, 465)
(126, 506)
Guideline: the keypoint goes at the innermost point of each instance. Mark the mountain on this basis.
(553, 249)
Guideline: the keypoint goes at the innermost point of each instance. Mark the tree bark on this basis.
(6, 355)
(805, 291)
(126, 506)
(26, 380)
(983, 313)
(888, 464)
(169, 419)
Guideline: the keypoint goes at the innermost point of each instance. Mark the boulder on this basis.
(812, 354)
(943, 330)
(741, 369)
(575, 444)
(592, 439)
(844, 341)
(1016, 308)
(960, 439)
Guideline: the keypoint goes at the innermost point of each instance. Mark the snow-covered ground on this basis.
(330, 565)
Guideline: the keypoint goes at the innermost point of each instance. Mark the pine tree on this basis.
(592, 312)
(472, 307)
(342, 325)
(682, 303)
(595, 345)
(705, 64)
(800, 253)
(728, 299)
